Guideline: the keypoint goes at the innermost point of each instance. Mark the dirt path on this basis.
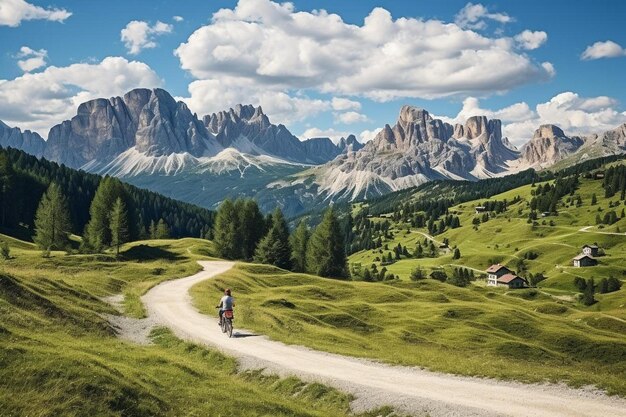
(407, 389)
(586, 230)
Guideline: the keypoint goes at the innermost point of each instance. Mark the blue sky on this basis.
(319, 74)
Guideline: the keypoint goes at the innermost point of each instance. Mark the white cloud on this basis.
(531, 40)
(31, 59)
(178, 18)
(368, 135)
(475, 16)
(273, 47)
(38, 101)
(139, 35)
(607, 49)
(341, 104)
(13, 12)
(331, 133)
(350, 117)
(209, 96)
(574, 114)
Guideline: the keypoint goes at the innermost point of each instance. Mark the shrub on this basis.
(417, 274)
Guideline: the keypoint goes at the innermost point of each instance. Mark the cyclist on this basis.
(227, 302)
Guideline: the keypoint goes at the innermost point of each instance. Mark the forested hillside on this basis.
(24, 179)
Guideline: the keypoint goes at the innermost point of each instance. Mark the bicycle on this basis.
(227, 322)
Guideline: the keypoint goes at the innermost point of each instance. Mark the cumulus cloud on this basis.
(475, 17)
(606, 49)
(31, 59)
(274, 47)
(178, 18)
(13, 12)
(37, 101)
(332, 134)
(209, 96)
(531, 40)
(139, 35)
(341, 104)
(367, 135)
(350, 117)
(574, 114)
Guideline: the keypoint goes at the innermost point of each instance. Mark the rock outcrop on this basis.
(548, 146)
(13, 137)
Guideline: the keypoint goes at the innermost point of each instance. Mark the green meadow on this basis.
(59, 356)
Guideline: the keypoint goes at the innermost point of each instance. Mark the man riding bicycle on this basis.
(227, 302)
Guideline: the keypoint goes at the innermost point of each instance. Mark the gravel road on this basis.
(408, 390)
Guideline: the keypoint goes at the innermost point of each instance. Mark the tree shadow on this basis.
(149, 253)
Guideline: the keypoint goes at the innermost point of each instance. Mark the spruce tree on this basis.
(299, 241)
(98, 231)
(227, 231)
(326, 256)
(252, 226)
(274, 248)
(457, 254)
(119, 225)
(52, 221)
(162, 230)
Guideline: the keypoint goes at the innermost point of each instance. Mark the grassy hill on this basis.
(59, 356)
(523, 335)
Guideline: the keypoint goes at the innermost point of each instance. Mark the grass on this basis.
(58, 356)
(522, 335)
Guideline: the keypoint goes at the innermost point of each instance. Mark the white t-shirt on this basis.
(227, 302)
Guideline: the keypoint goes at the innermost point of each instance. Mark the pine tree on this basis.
(153, 231)
(98, 231)
(252, 226)
(162, 230)
(299, 241)
(227, 233)
(6, 184)
(456, 254)
(52, 221)
(326, 256)
(594, 199)
(588, 293)
(119, 225)
(274, 248)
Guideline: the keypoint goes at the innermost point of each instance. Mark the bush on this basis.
(439, 275)
(417, 274)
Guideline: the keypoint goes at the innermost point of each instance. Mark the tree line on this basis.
(24, 179)
(242, 232)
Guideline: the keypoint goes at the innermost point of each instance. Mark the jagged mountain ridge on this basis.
(149, 139)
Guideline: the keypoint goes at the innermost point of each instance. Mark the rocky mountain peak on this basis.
(548, 131)
(410, 114)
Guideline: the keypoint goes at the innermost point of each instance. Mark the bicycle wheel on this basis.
(224, 321)
(229, 327)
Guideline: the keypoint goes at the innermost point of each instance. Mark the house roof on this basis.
(496, 268)
(591, 246)
(507, 278)
(581, 256)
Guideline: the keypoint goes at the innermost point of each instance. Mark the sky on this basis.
(323, 68)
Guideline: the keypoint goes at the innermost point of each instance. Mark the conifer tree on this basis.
(456, 254)
(274, 248)
(326, 256)
(52, 221)
(227, 233)
(299, 241)
(98, 231)
(252, 226)
(162, 230)
(152, 232)
(6, 184)
(119, 225)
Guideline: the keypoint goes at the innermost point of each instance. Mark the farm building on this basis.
(496, 271)
(512, 281)
(590, 250)
(584, 260)
(480, 209)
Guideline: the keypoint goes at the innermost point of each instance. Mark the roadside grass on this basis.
(59, 356)
(522, 335)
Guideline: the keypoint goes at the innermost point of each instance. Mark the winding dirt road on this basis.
(407, 389)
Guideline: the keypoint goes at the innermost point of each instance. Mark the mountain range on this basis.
(149, 139)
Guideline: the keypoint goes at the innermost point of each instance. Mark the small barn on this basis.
(590, 250)
(480, 209)
(512, 281)
(584, 260)
(496, 271)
